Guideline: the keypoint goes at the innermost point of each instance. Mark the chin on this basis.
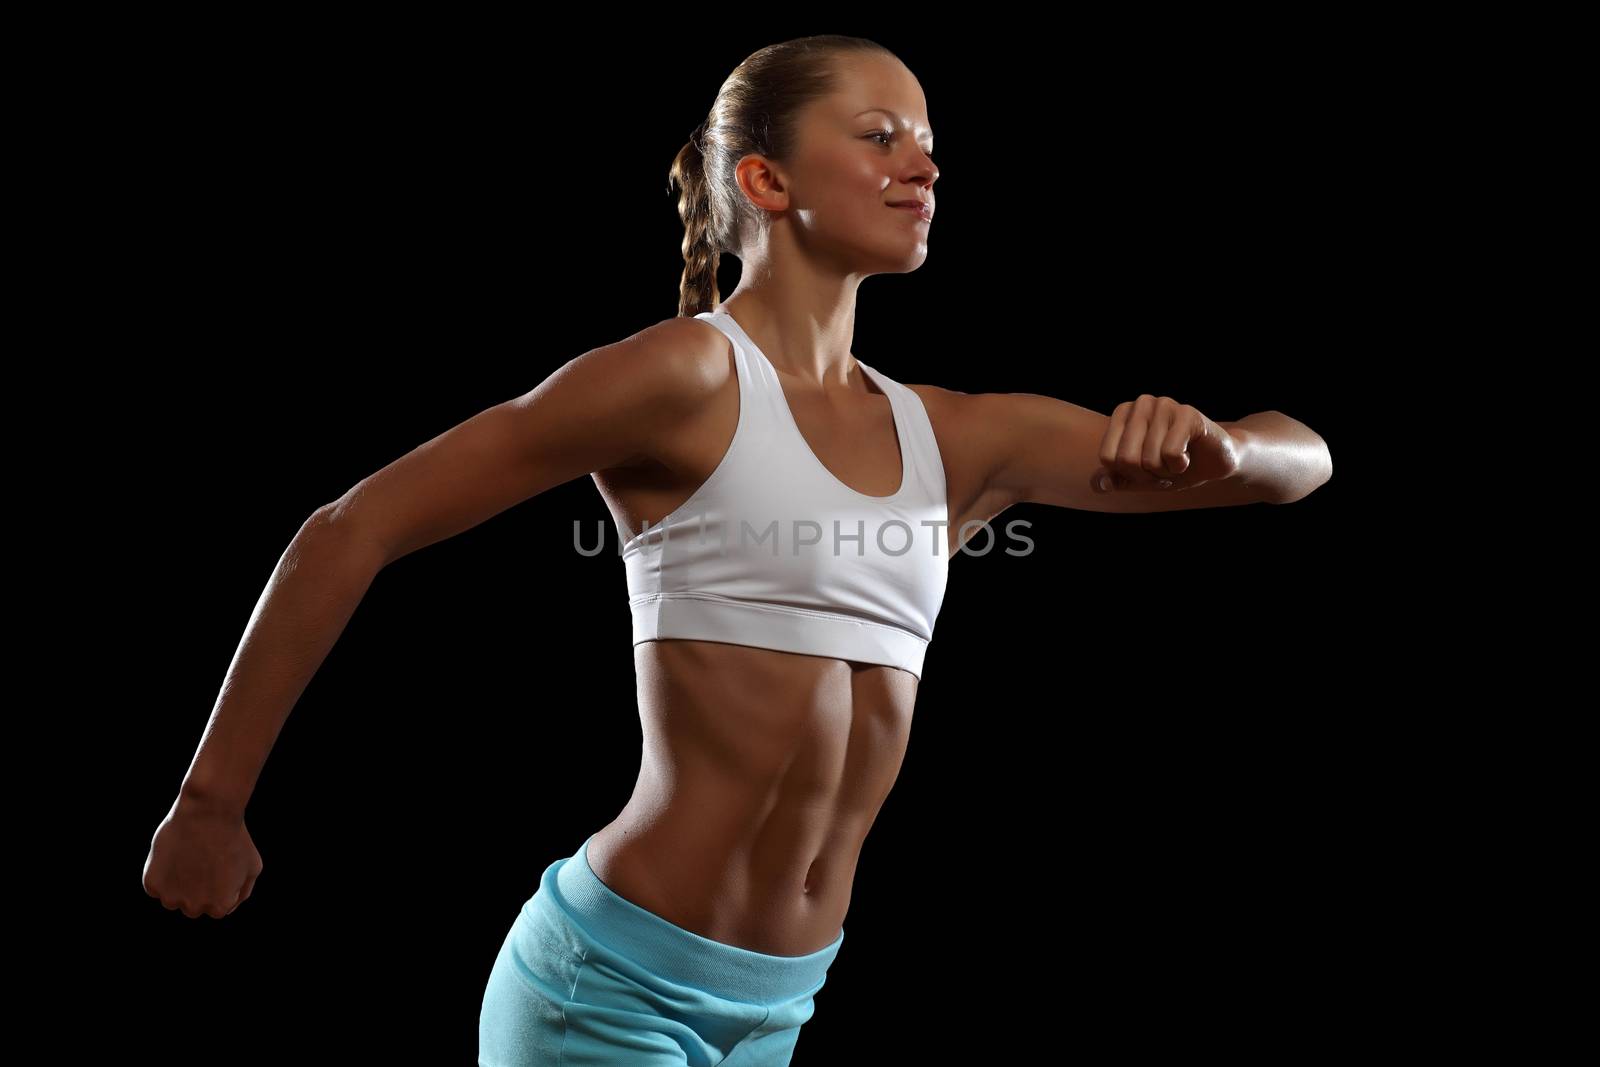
(889, 257)
(911, 263)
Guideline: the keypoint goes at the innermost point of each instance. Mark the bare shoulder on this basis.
(946, 401)
(966, 419)
(623, 403)
(680, 359)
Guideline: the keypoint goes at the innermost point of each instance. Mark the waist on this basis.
(641, 937)
(696, 891)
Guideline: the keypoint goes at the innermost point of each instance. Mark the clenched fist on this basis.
(202, 861)
(1157, 441)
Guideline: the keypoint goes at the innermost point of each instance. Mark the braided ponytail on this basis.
(701, 253)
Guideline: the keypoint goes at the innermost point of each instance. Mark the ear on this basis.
(762, 182)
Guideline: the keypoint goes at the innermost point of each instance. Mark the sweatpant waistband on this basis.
(672, 952)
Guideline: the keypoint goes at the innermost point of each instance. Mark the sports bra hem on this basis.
(646, 598)
(708, 617)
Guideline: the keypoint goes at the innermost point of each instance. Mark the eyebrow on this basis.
(886, 111)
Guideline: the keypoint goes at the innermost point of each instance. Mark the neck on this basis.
(806, 335)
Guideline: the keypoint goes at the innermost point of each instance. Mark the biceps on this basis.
(454, 481)
(1045, 449)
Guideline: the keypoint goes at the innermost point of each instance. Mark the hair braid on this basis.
(698, 290)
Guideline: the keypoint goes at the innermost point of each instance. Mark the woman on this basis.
(782, 608)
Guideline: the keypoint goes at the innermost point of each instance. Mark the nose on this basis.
(920, 179)
(920, 173)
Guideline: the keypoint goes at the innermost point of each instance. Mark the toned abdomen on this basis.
(761, 775)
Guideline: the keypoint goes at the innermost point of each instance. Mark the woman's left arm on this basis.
(1150, 454)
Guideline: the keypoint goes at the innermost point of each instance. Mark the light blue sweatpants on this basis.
(586, 978)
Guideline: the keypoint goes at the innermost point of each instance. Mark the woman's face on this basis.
(859, 150)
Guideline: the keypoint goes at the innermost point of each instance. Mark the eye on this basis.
(890, 133)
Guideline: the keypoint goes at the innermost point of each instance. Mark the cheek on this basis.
(865, 176)
(850, 184)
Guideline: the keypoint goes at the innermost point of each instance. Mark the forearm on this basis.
(1284, 457)
(313, 591)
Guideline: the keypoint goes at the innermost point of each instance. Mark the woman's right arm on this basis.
(610, 407)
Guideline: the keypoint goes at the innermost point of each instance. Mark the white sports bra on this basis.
(774, 551)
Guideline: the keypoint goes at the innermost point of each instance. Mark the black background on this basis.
(1145, 801)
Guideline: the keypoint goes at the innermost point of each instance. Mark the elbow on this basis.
(326, 520)
(339, 528)
(1322, 476)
